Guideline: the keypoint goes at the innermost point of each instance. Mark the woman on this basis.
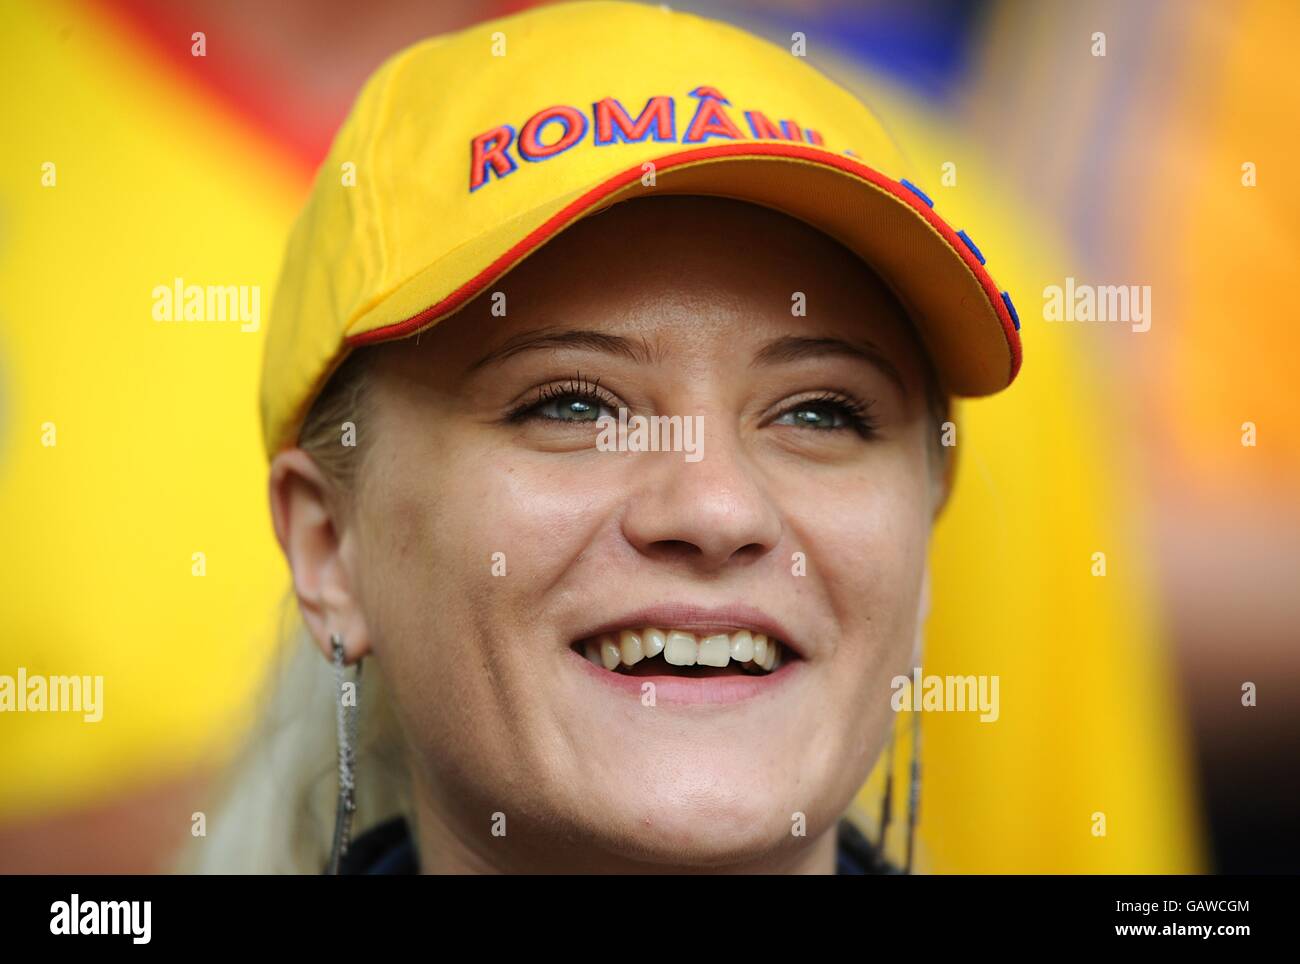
(602, 650)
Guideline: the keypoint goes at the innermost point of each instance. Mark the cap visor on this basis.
(958, 311)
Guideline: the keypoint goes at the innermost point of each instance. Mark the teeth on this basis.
(742, 646)
(715, 650)
(752, 652)
(681, 649)
(609, 652)
(653, 642)
(629, 647)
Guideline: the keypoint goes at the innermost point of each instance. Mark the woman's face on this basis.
(492, 538)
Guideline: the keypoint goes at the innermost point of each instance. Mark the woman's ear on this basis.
(944, 474)
(943, 410)
(320, 552)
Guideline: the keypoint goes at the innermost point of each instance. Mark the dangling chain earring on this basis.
(914, 781)
(887, 798)
(347, 739)
(914, 795)
(914, 790)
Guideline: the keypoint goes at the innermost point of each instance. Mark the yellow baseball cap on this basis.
(465, 153)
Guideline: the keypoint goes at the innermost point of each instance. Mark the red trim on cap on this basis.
(557, 221)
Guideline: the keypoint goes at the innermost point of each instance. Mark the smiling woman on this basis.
(594, 659)
(509, 449)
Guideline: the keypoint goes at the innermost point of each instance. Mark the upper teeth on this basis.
(680, 648)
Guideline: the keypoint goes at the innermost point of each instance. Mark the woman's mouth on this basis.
(649, 651)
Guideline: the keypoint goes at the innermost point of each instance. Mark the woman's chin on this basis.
(709, 840)
(696, 829)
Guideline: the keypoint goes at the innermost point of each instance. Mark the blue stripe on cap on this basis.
(917, 191)
(1015, 318)
(970, 244)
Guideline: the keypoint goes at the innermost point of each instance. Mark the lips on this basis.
(774, 666)
(687, 640)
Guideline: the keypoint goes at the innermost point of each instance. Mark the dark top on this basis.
(387, 848)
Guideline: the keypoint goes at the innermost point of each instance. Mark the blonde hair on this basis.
(278, 798)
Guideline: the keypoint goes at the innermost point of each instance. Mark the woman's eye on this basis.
(570, 408)
(821, 415)
(813, 416)
(829, 414)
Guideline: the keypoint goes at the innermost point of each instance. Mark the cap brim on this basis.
(960, 315)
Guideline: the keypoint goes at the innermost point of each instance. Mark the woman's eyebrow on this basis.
(635, 349)
(796, 348)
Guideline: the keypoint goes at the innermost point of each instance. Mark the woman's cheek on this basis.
(539, 513)
(873, 556)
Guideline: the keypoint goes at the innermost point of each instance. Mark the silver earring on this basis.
(913, 794)
(347, 740)
(887, 799)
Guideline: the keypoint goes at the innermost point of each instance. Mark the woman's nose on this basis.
(704, 514)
